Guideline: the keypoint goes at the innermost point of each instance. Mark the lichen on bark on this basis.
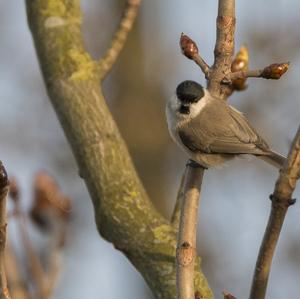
(124, 214)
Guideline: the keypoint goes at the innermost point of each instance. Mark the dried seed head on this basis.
(188, 46)
(198, 296)
(14, 190)
(3, 176)
(49, 204)
(228, 296)
(240, 63)
(275, 70)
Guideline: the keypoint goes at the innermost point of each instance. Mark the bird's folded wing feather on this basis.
(221, 129)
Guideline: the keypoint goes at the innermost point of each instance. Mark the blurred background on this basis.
(234, 202)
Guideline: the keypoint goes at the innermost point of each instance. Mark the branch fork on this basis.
(236, 76)
(226, 75)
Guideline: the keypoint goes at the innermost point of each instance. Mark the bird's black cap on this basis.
(189, 92)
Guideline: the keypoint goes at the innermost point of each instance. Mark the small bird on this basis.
(210, 131)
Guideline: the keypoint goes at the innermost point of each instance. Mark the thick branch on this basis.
(186, 245)
(281, 200)
(4, 186)
(124, 214)
(224, 49)
(118, 42)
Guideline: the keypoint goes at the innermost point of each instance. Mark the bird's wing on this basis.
(221, 129)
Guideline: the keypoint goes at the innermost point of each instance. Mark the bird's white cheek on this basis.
(196, 108)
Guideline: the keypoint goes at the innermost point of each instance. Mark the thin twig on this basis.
(34, 264)
(35, 267)
(190, 49)
(203, 65)
(273, 71)
(118, 42)
(54, 260)
(186, 246)
(281, 200)
(4, 186)
(17, 285)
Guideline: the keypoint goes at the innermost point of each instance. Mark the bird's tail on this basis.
(274, 159)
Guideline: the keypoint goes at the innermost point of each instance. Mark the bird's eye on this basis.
(184, 109)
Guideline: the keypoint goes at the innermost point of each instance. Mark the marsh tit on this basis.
(210, 131)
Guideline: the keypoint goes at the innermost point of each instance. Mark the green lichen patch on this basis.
(55, 8)
(163, 234)
(68, 10)
(83, 64)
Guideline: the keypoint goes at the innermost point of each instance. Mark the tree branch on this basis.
(124, 214)
(186, 245)
(17, 285)
(36, 271)
(273, 71)
(34, 265)
(4, 186)
(118, 42)
(225, 76)
(190, 50)
(281, 200)
(224, 49)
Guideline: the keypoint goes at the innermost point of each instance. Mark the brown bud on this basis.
(188, 46)
(240, 63)
(228, 296)
(275, 70)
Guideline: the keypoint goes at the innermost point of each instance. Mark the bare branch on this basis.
(224, 77)
(4, 186)
(281, 200)
(17, 285)
(273, 71)
(186, 246)
(190, 50)
(118, 42)
(36, 270)
(224, 49)
(54, 262)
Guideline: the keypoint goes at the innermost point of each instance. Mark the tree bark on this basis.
(123, 212)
